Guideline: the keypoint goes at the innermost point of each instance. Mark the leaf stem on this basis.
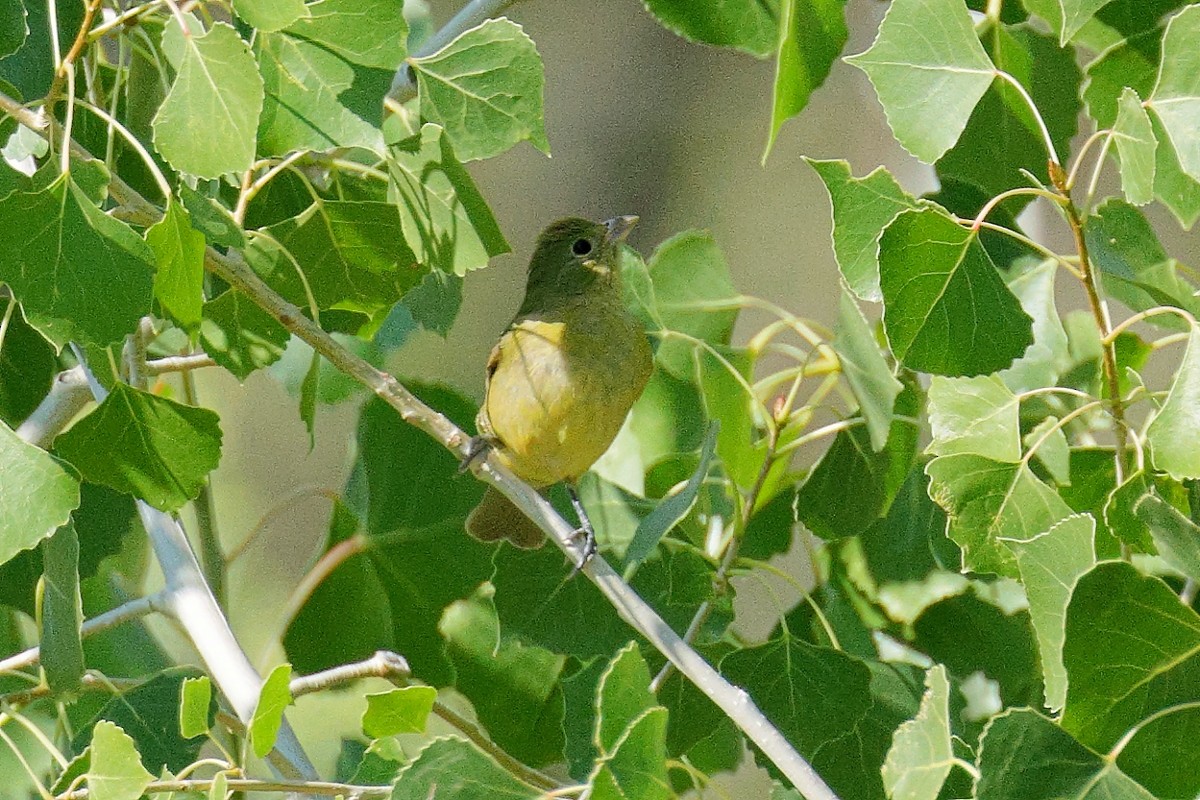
(1051, 152)
(1087, 145)
(1112, 335)
(1020, 191)
(159, 178)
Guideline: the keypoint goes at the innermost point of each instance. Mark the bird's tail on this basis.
(497, 518)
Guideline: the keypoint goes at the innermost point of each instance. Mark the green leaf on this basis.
(1024, 756)
(921, 757)
(115, 771)
(206, 126)
(13, 26)
(270, 15)
(974, 415)
(1132, 649)
(79, 273)
(910, 541)
(512, 686)
(637, 766)
(623, 696)
(273, 700)
(1050, 564)
(1121, 517)
(308, 397)
(927, 85)
(179, 251)
(316, 98)
(988, 501)
(1176, 95)
(748, 25)
(212, 219)
(1136, 146)
(853, 484)
(1173, 187)
(239, 335)
(444, 217)
(946, 310)
(1048, 356)
(1003, 139)
(862, 208)
(195, 700)
(813, 34)
(37, 494)
(868, 372)
(1133, 264)
(402, 710)
(1071, 15)
(153, 448)
(1052, 449)
(28, 364)
(353, 255)
(372, 33)
(450, 769)
(694, 295)
(1176, 537)
(1131, 63)
(485, 90)
(62, 612)
(723, 376)
(673, 508)
(435, 301)
(1173, 432)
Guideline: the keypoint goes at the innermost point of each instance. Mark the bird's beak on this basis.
(619, 227)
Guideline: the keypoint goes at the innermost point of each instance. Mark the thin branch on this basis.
(68, 395)
(161, 366)
(232, 269)
(473, 13)
(384, 664)
(109, 619)
(1051, 152)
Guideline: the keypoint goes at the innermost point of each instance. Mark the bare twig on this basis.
(68, 395)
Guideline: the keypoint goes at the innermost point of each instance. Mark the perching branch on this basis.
(68, 395)
(232, 269)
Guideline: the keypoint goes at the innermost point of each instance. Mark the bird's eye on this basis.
(581, 247)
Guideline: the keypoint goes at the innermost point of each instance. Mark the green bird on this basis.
(563, 377)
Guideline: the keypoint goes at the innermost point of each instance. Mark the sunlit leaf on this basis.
(449, 768)
(1176, 95)
(927, 85)
(946, 309)
(179, 250)
(485, 90)
(1173, 433)
(1134, 137)
(239, 335)
(367, 32)
(748, 25)
(270, 15)
(37, 494)
(115, 771)
(974, 415)
(402, 710)
(195, 702)
(273, 699)
(920, 757)
(206, 126)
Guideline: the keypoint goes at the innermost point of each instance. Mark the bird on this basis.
(563, 376)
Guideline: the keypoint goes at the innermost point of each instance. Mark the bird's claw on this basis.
(477, 448)
(589, 548)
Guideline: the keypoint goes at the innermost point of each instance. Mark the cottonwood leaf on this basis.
(239, 335)
(1176, 537)
(748, 25)
(636, 766)
(862, 208)
(367, 32)
(156, 449)
(13, 26)
(61, 611)
(402, 710)
(813, 34)
(270, 15)
(80, 274)
(38, 492)
(1024, 756)
(946, 309)
(977, 415)
(867, 371)
(445, 219)
(195, 705)
(1176, 95)
(1134, 137)
(1052, 449)
(988, 501)
(929, 70)
(485, 90)
(273, 699)
(206, 125)
(179, 251)
(115, 770)
(921, 757)
(1050, 564)
(449, 768)
(1048, 356)
(1066, 17)
(1173, 433)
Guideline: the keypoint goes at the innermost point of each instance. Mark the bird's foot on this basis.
(585, 530)
(477, 448)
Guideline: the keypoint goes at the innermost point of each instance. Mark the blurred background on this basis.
(640, 122)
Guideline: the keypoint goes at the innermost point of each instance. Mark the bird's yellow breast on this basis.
(561, 385)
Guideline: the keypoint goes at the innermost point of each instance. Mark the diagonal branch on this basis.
(735, 702)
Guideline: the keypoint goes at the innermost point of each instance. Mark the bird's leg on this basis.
(477, 448)
(585, 528)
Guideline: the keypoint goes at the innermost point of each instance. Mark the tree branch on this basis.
(735, 702)
(68, 395)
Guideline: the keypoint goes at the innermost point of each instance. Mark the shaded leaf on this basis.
(1176, 537)
(153, 448)
(1134, 137)
(921, 757)
(450, 769)
(61, 612)
(748, 25)
(239, 335)
(670, 510)
(367, 32)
